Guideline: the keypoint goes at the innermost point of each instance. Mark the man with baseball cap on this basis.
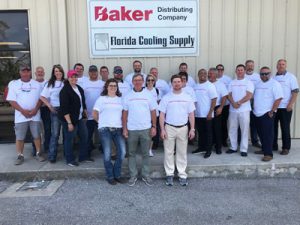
(124, 86)
(24, 97)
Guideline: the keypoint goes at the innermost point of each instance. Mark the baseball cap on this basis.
(72, 73)
(25, 67)
(93, 68)
(118, 70)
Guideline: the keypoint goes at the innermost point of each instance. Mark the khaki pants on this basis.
(180, 137)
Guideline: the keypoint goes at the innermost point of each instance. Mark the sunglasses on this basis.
(264, 74)
(152, 80)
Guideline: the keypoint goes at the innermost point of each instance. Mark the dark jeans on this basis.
(284, 117)
(45, 115)
(253, 129)
(55, 131)
(91, 125)
(225, 114)
(265, 129)
(107, 135)
(81, 130)
(204, 128)
(217, 130)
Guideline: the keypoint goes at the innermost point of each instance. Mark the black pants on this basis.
(204, 128)
(253, 129)
(155, 139)
(225, 114)
(265, 129)
(284, 117)
(217, 130)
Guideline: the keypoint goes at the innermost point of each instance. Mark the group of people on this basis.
(134, 112)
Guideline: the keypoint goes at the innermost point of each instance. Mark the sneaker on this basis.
(267, 158)
(72, 164)
(169, 181)
(88, 160)
(112, 181)
(244, 154)
(132, 181)
(197, 151)
(19, 160)
(148, 181)
(183, 181)
(230, 151)
(121, 180)
(151, 153)
(40, 157)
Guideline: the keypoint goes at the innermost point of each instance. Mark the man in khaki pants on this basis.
(176, 109)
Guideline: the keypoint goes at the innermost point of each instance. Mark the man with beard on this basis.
(123, 85)
(137, 69)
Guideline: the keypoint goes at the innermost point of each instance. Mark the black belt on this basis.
(176, 125)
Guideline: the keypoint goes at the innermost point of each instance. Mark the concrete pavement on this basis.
(224, 165)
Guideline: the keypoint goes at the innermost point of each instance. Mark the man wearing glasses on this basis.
(290, 89)
(24, 97)
(267, 97)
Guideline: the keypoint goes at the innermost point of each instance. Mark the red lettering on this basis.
(100, 13)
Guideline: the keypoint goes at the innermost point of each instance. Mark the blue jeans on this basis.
(91, 126)
(55, 130)
(106, 136)
(45, 115)
(81, 130)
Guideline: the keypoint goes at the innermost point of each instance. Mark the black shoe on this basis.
(244, 154)
(197, 151)
(121, 180)
(52, 160)
(259, 152)
(230, 151)
(72, 164)
(219, 152)
(88, 160)
(207, 155)
(256, 144)
(112, 181)
(225, 144)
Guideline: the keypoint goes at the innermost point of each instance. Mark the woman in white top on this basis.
(107, 112)
(150, 86)
(50, 97)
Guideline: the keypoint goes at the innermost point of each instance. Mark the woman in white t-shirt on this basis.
(50, 97)
(150, 86)
(107, 112)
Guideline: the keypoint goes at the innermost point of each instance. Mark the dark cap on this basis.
(25, 67)
(118, 70)
(93, 68)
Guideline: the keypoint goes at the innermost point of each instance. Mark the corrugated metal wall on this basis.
(231, 31)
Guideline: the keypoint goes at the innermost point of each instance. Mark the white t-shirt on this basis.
(288, 83)
(110, 111)
(221, 91)
(129, 77)
(81, 106)
(177, 108)
(226, 80)
(82, 80)
(191, 82)
(156, 96)
(265, 94)
(205, 92)
(190, 91)
(239, 89)
(52, 93)
(139, 106)
(162, 86)
(124, 88)
(254, 77)
(27, 95)
(92, 91)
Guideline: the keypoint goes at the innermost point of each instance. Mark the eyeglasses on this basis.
(264, 74)
(26, 89)
(152, 80)
(112, 85)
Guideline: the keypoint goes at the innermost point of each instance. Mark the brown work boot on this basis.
(267, 158)
(284, 152)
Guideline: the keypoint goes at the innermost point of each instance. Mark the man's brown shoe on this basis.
(267, 158)
(259, 152)
(284, 152)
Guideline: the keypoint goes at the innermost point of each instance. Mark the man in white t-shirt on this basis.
(267, 97)
(137, 69)
(290, 89)
(123, 85)
(139, 126)
(255, 78)
(24, 97)
(206, 96)
(176, 109)
(240, 92)
(225, 112)
(183, 67)
(79, 68)
(92, 90)
(222, 93)
(160, 84)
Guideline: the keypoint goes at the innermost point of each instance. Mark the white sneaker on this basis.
(151, 153)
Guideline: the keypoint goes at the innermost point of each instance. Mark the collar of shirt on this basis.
(278, 74)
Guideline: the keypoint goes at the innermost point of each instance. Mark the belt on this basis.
(177, 126)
